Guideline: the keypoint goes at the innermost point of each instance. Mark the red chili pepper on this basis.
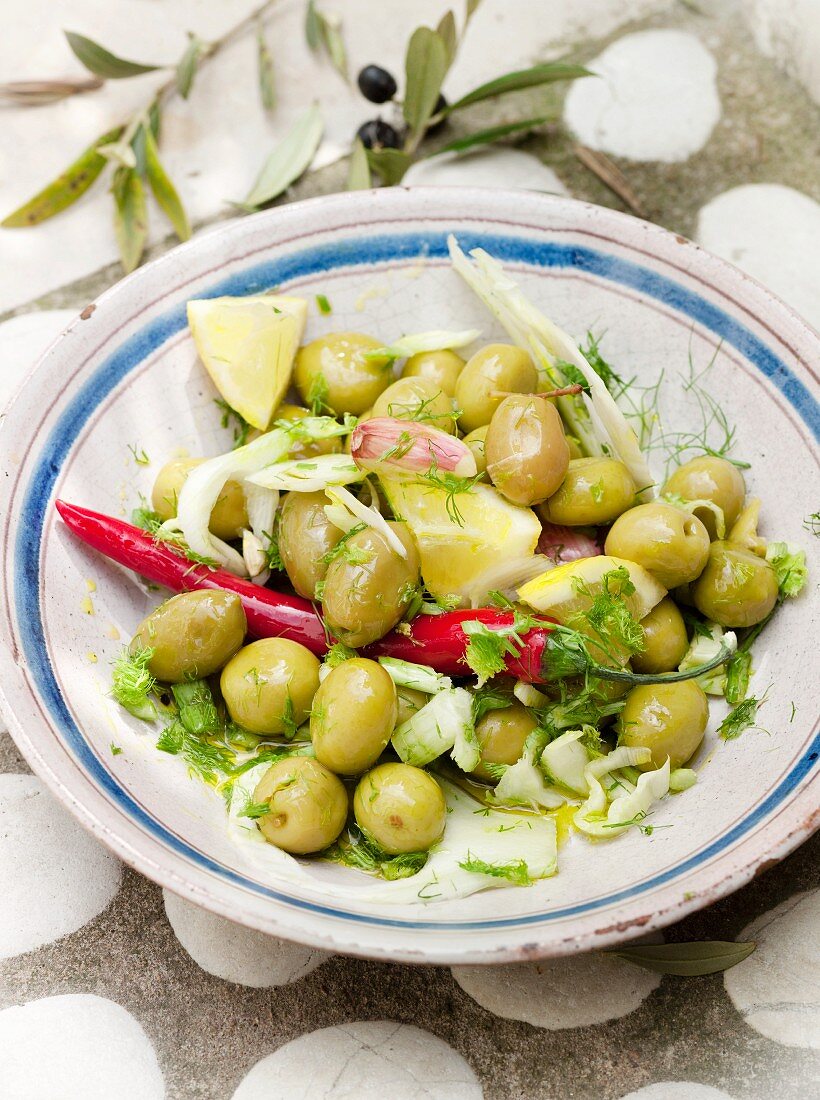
(435, 640)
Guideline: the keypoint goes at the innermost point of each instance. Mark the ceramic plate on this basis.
(126, 373)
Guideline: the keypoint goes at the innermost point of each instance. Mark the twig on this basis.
(611, 176)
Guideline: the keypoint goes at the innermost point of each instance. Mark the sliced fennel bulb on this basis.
(564, 761)
(308, 475)
(443, 724)
(702, 650)
(595, 418)
(410, 675)
(437, 340)
(603, 819)
(522, 784)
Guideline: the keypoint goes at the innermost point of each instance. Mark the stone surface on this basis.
(234, 953)
(362, 1061)
(789, 31)
(54, 877)
(678, 1090)
(76, 1047)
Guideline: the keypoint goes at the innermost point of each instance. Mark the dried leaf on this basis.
(186, 69)
(389, 164)
(687, 960)
(425, 67)
(331, 27)
(65, 189)
(610, 174)
(548, 73)
(36, 93)
(290, 158)
(100, 61)
(267, 86)
(130, 216)
(446, 30)
(313, 29)
(164, 191)
(358, 172)
(484, 137)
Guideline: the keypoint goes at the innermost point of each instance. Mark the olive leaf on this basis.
(389, 164)
(65, 189)
(313, 31)
(163, 189)
(358, 172)
(472, 7)
(687, 960)
(326, 30)
(36, 93)
(186, 69)
(118, 152)
(130, 216)
(264, 61)
(425, 67)
(290, 158)
(547, 73)
(100, 61)
(484, 137)
(446, 30)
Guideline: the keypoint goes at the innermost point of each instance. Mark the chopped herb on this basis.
(357, 849)
(793, 712)
(317, 394)
(352, 555)
(452, 486)
(421, 411)
(241, 428)
(597, 491)
(146, 519)
(132, 683)
(140, 457)
(490, 698)
(338, 654)
(254, 809)
(488, 649)
(115, 749)
(516, 871)
(323, 305)
(289, 722)
(271, 548)
(204, 759)
(197, 711)
(812, 524)
(789, 564)
(738, 670)
(743, 717)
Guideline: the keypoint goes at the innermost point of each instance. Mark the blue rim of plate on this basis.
(360, 252)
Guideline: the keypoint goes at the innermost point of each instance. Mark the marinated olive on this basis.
(336, 372)
(476, 441)
(305, 536)
(417, 399)
(269, 686)
(410, 701)
(594, 492)
(501, 735)
(368, 587)
(710, 478)
(497, 368)
(669, 543)
(526, 449)
(401, 807)
(306, 448)
(307, 805)
(192, 634)
(665, 641)
(669, 719)
(737, 588)
(353, 715)
(229, 514)
(442, 368)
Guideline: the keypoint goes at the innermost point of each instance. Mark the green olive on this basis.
(306, 448)
(501, 735)
(594, 492)
(526, 449)
(669, 719)
(665, 641)
(442, 368)
(306, 535)
(476, 441)
(308, 805)
(498, 368)
(353, 715)
(229, 514)
(192, 634)
(417, 399)
(269, 686)
(710, 478)
(737, 588)
(410, 701)
(669, 543)
(401, 807)
(335, 370)
(368, 587)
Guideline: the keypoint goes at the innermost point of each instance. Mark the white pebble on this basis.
(76, 1047)
(235, 953)
(775, 988)
(678, 1090)
(54, 877)
(789, 31)
(772, 232)
(499, 167)
(573, 991)
(654, 98)
(362, 1061)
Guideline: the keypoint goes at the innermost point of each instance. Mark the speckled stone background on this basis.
(107, 988)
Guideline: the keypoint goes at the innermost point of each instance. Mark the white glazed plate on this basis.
(126, 373)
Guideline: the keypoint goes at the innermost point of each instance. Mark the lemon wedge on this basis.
(453, 555)
(248, 346)
(553, 593)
